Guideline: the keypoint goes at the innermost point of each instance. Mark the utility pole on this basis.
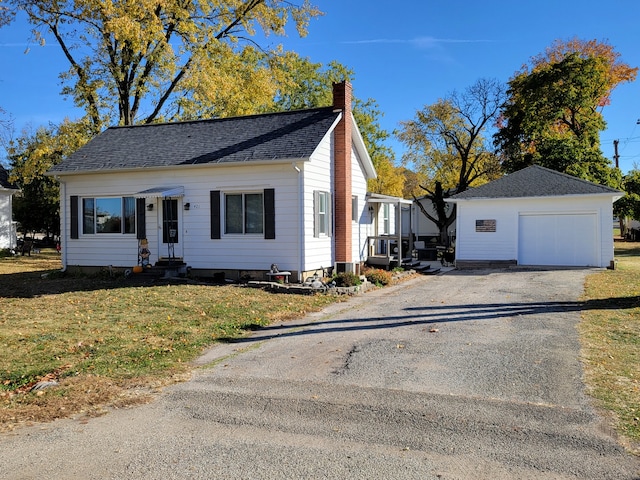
(616, 157)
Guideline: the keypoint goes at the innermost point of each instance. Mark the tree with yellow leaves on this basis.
(30, 156)
(448, 144)
(147, 60)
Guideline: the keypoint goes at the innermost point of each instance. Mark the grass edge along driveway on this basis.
(610, 337)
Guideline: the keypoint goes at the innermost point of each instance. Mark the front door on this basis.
(170, 231)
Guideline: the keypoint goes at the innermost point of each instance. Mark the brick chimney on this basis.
(342, 171)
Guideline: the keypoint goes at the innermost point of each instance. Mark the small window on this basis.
(244, 213)
(322, 214)
(108, 215)
(354, 209)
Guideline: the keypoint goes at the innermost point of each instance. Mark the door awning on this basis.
(161, 192)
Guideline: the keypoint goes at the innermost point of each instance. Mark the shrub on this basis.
(347, 279)
(378, 277)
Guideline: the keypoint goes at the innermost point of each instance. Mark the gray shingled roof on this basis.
(278, 136)
(535, 181)
(4, 179)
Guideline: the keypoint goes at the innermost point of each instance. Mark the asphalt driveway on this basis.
(465, 375)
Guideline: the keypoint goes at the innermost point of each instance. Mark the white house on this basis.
(7, 225)
(427, 233)
(535, 216)
(232, 195)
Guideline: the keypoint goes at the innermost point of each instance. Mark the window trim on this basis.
(216, 217)
(86, 205)
(245, 218)
(322, 221)
(355, 214)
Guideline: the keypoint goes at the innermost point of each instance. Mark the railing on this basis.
(392, 247)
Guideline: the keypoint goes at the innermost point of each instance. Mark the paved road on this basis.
(464, 375)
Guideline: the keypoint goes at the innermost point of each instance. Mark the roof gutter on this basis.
(148, 168)
(613, 195)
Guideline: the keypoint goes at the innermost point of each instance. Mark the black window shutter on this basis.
(269, 214)
(215, 214)
(141, 224)
(74, 216)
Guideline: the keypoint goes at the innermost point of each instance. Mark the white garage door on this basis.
(569, 240)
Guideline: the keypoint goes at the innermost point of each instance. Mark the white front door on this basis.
(170, 231)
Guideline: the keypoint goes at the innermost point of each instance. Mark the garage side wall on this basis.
(488, 229)
(489, 244)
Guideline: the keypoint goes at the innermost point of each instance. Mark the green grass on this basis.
(119, 334)
(610, 332)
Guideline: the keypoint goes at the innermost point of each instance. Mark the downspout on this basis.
(300, 246)
(399, 226)
(63, 223)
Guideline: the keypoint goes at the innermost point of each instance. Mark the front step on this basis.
(170, 262)
(164, 270)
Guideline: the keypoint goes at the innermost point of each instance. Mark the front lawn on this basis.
(110, 340)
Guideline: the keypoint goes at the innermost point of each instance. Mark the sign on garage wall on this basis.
(485, 225)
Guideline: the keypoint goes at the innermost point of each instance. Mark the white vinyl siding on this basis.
(558, 212)
(7, 227)
(361, 218)
(246, 252)
(317, 250)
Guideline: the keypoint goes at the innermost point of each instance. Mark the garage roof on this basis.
(536, 181)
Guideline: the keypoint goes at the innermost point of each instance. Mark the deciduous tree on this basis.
(309, 85)
(144, 61)
(628, 207)
(552, 116)
(448, 143)
(7, 13)
(31, 155)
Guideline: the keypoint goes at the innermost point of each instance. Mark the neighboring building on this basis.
(232, 195)
(391, 242)
(535, 216)
(424, 228)
(8, 237)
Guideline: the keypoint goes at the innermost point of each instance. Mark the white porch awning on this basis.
(379, 198)
(161, 192)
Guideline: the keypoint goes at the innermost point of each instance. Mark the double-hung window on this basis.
(108, 215)
(244, 213)
(322, 214)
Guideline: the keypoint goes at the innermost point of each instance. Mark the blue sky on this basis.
(405, 54)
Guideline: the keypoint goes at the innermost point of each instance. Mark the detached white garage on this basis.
(535, 216)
